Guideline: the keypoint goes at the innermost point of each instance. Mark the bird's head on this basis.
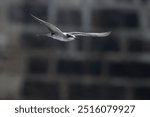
(69, 36)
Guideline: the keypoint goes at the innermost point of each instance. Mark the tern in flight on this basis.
(57, 34)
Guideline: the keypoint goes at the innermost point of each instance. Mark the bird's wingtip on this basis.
(108, 33)
(32, 15)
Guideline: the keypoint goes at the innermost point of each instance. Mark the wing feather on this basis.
(104, 34)
(51, 27)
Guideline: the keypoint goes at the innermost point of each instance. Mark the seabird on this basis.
(57, 34)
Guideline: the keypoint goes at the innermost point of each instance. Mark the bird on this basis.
(56, 33)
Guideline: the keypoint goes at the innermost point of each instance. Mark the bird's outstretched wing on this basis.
(52, 28)
(104, 34)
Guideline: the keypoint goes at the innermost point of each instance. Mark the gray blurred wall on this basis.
(115, 67)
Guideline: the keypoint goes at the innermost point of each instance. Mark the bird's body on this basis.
(64, 37)
(56, 33)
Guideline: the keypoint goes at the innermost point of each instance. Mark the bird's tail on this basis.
(45, 35)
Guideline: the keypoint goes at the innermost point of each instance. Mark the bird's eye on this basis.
(68, 35)
(52, 33)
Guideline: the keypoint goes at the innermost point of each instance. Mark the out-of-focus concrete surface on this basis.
(115, 67)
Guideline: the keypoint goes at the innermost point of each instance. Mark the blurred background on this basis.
(115, 67)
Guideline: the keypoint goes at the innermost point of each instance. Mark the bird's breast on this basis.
(62, 38)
